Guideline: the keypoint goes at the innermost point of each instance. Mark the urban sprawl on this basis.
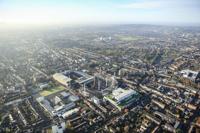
(109, 79)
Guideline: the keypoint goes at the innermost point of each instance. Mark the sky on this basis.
(100, 12)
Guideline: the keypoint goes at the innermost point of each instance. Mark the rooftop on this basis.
(120, 93)
(189, 74)
(61, 78)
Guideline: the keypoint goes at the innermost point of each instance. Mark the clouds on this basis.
(142, 5)
(160, 4)
(163, 11)
(104, 11)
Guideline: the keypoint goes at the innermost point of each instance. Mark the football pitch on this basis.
(51, 90)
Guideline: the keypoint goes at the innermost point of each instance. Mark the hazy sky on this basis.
(100, 11)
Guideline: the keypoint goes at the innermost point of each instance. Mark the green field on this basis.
(128, 38)
(51, 91)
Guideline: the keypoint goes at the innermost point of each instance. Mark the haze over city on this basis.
(99, 66)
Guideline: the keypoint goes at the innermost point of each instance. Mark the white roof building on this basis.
(70, 112)
(73, 98)
(61, 78)
(122, 98)
(56, 110)
(120, 94)
(64, 94)
(58, 128)
(192, 75)
(95, 100)
(57, 99)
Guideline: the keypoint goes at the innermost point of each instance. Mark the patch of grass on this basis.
(128, 38)
(51, 91)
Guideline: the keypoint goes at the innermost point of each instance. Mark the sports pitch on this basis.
(51, 91)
